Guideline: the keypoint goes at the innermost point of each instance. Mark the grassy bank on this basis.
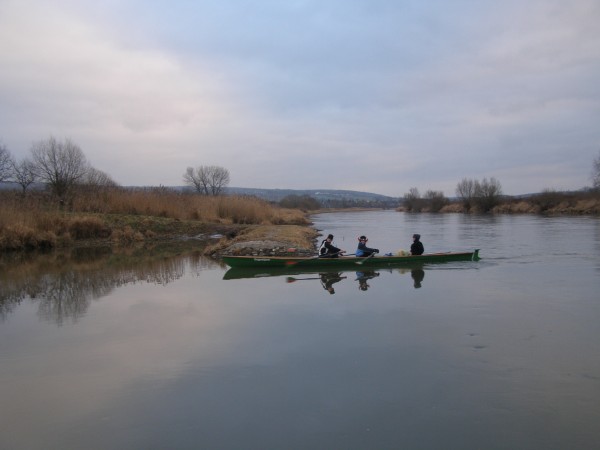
(547, 206)
(546, 203)
(119, 216)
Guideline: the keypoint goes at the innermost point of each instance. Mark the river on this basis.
(146, 350)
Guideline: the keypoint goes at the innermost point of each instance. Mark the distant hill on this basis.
(324, 196)
(327, 197)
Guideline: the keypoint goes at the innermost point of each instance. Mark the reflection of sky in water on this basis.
(497, 352)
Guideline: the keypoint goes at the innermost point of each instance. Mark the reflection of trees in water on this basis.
(64, 284)
(68, 294)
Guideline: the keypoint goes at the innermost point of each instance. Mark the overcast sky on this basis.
(370, 95)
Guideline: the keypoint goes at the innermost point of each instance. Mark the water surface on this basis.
(154, 351)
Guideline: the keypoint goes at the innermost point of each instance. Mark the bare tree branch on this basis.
(596, 173)
(465, 190)
(59, 164)
(6, 163)
(24, 173)
(207, 180)
(487, 193)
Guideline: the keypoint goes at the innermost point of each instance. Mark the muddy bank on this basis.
(268, 240)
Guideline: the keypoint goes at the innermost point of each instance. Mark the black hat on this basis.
(416, 236)
(362, 238)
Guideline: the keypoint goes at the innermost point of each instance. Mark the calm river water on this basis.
(138, 350)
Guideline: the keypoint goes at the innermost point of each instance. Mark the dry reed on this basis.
(34, 221)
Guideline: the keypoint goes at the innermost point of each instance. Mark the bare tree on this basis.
(465, 190)
(487, 193)
(193, 178)
(218, 179)
(6, 163)
(413, 201)
(207, 180)
(24, 173)
(436, 200)
(596, 173)
(60, 164)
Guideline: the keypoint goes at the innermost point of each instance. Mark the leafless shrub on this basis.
(413, 201)
(435, 200)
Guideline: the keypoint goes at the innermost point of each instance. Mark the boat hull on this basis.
(376, 261)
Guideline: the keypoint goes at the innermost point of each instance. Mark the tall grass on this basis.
(185, 206)
(35, 221)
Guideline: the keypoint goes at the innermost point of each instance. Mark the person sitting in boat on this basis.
(328, 250)
(417, 246)
(363, 250)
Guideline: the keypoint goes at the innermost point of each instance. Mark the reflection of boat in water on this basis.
(298, 273)
(237, 273)
(346, 261)
(328, 277)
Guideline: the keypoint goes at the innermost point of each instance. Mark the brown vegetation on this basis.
(118, 215)
(268, 240)
(548, 202)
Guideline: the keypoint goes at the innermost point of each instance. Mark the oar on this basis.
(293, 263)
(363, 261)
(292, 279)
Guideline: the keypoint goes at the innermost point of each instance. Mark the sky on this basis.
(371, 95)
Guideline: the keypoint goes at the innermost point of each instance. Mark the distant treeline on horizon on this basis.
(327, 197)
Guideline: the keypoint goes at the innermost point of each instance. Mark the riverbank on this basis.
(121, 218)
(123, 230)
(219, 226)
(547, 203)
(573, 207)
(267, 240)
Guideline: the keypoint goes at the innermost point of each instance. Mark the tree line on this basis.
(63, 167)
(60, 164)
(475, 195)
(484, 195)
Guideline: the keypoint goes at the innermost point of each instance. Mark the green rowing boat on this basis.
(257, 262)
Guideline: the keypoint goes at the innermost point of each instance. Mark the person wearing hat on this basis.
(417, 246)
(362, 249)
(328, 250)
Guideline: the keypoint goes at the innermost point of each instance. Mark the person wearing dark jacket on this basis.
(417, 246)
(328, 250)
(362, 249)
